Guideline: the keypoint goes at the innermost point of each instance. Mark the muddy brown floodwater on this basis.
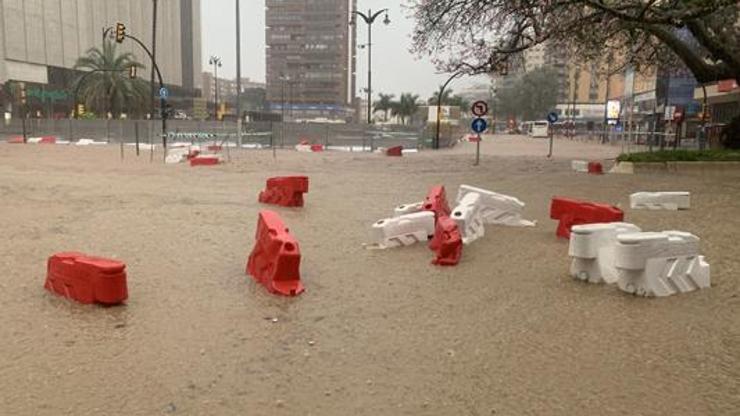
(506, 332)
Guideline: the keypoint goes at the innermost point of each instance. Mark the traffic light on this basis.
(132, 71)
(80, 109)
(120, 32)
(23, 96)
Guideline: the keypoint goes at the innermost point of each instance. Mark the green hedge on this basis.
(682, 156)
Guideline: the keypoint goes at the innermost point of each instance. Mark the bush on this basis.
(682, 156)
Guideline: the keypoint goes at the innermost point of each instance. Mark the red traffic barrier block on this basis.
(86, 279)
(286, 191)
(215, 148)
(572, 212)
(204, 160)
(317, 147)
(15, 140)
(436, 201)
(447, 242)
(276, 258)
(595, 168)
(48, 140)
(394, 151)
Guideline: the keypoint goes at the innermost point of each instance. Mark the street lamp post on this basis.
(216, 62)
(238, 77)
(369, 18)
(435, 144)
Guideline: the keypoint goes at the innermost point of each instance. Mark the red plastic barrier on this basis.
(276, 258)
(572, 212)
(15, 140)
(595, 168)
(286, 191)
(215, 148)
(394, 151)
(201, 160)
(87, 279)
(447, 242)
(317, 147)
(48, 140)
(193, 153)
(436, 201)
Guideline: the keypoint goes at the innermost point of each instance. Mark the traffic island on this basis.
(683, 161)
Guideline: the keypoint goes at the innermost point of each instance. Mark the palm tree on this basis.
(407, 106)
(384, 104)
(106, 86)
(449, 99)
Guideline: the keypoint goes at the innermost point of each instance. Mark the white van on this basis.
(539, 129)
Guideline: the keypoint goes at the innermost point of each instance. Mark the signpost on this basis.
(163, 93)
(552, 118)
(478, 125)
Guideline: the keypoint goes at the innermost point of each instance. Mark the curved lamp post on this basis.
(435, 144)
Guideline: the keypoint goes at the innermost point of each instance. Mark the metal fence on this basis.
(263, 133)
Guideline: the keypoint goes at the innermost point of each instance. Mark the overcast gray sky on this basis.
(395, 69)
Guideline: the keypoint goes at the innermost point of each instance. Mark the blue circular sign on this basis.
(479, 125)
(163, 93)
(552, 117)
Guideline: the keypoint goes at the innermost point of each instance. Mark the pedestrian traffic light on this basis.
(132, 71)
(120, 32)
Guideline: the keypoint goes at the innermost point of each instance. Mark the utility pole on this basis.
(216, 62)
(238, 78)
(154, 54)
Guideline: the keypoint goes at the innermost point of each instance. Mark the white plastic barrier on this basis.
(408, 208)
(497, 208)
(89, 142)
(660, 200)
(467, 215)
(592, 249)
(404, 230)
(176, 155)
(34, 140)
(660, 263)
(579, 166)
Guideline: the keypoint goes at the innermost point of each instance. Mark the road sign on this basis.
(163, 93)
(669, 112)
(552, 117)
(480, 108)
(479, 125)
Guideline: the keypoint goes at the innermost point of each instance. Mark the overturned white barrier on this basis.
(660, 200)
(468, 216)
(592, 249)
(579, 166)
(497, 208)
(34, 140)
(660, 263)
(404, 230)
(408, 208)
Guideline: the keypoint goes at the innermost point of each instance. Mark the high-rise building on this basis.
(40, 41)
(310, 58)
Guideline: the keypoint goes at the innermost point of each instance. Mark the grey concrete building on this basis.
(310, 57)
(37, 36)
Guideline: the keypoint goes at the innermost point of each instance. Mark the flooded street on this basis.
(506, 332)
